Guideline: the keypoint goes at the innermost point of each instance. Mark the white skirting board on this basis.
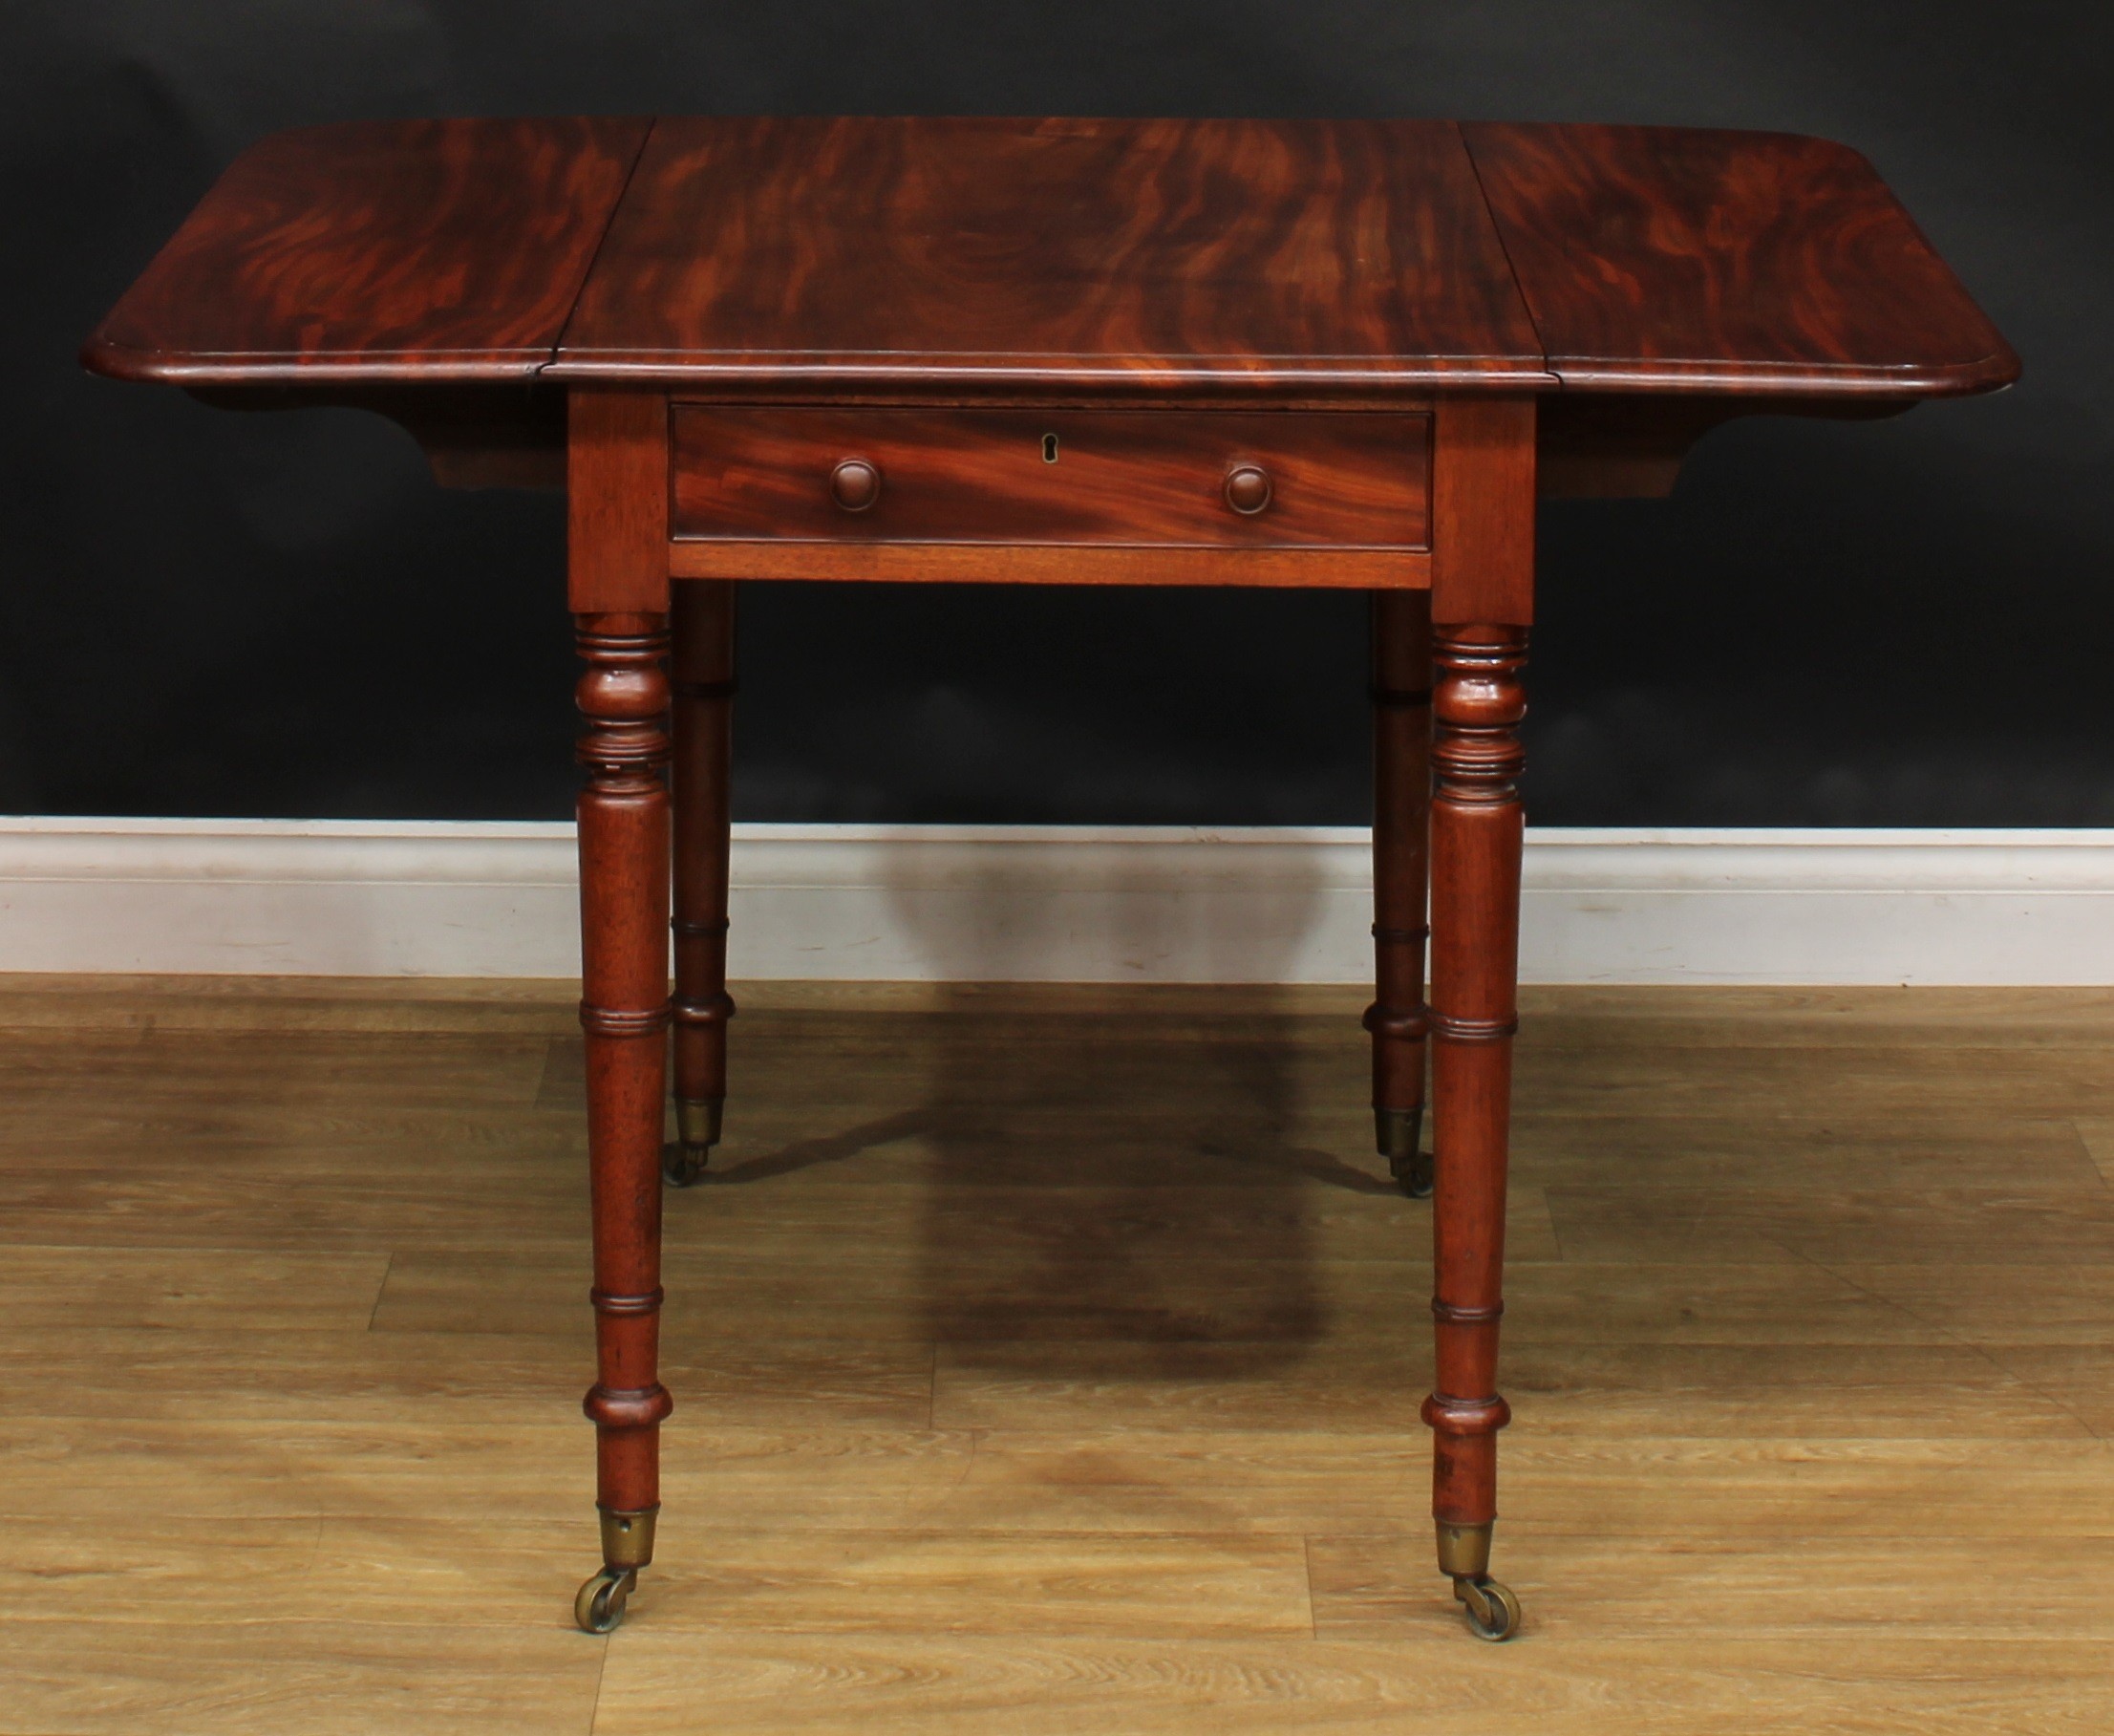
(379, 898)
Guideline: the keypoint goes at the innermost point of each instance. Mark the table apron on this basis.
(1047, 564)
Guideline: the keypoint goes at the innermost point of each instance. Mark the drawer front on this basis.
(1114, 477)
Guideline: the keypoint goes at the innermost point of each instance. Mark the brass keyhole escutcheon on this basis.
(1049, 449)
(855, 484)
(1247, 488)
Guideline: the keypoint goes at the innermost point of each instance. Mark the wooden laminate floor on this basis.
(1048, 1359)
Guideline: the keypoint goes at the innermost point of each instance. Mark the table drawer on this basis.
(1117, 477)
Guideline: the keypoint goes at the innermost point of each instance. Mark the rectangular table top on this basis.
(958, 257)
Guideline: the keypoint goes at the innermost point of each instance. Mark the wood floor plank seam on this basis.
(2055, 1397)
(2103, 1165)
(1054, 1363)
(381, 1290)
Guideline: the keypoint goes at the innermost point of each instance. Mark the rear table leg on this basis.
(1401, 807)
(701, 663)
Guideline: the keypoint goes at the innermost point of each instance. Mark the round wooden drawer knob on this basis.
(1247, 488)
(855, 484)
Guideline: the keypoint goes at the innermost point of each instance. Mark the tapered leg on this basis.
(701, 662)
(622, 814)
(1401, 807)
(1475, 903)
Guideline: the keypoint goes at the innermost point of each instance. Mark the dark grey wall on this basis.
(1906, 622)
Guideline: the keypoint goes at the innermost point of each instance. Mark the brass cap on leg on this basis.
(698, 1119)
(627, 1538)
(696, 1132)
(1464, 1551)
(1397, 1133)
(1493, 1610)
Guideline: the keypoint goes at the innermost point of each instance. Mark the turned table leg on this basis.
(1475, 901)
(1401, 807)
(701, 662)
(622, 814)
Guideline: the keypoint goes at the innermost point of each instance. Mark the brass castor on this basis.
(1492, 1609)
(683, 1165)
(697, 1130)
(600, 1605)
(1415, 1176)
(1396, 1132)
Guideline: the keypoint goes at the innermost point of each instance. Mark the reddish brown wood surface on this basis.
(624, 867)
(1055, 257)
(1060, 255)
(617, 465)
(1680, 259)
(1353, 265)
(1065, 564)
(1483, 511)
(701, 663)
(1355, 480)
(1401, 807)
(1475, 900)
(429, 250)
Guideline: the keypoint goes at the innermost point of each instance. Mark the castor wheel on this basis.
(1492, 1609)
(696, 1132)
(1413, 1177)
(683, 1165)
(1397, 1133)
(600, 1604)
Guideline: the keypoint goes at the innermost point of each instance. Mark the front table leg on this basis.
(622, 814)
(1476, 830)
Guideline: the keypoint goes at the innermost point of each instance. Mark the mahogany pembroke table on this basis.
(1345, 354)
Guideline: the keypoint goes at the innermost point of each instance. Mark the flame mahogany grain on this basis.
(1674, 277)
(1396, 332)
(1336, 478)
(424, 250)
(1052, 256)
(1679, 259)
